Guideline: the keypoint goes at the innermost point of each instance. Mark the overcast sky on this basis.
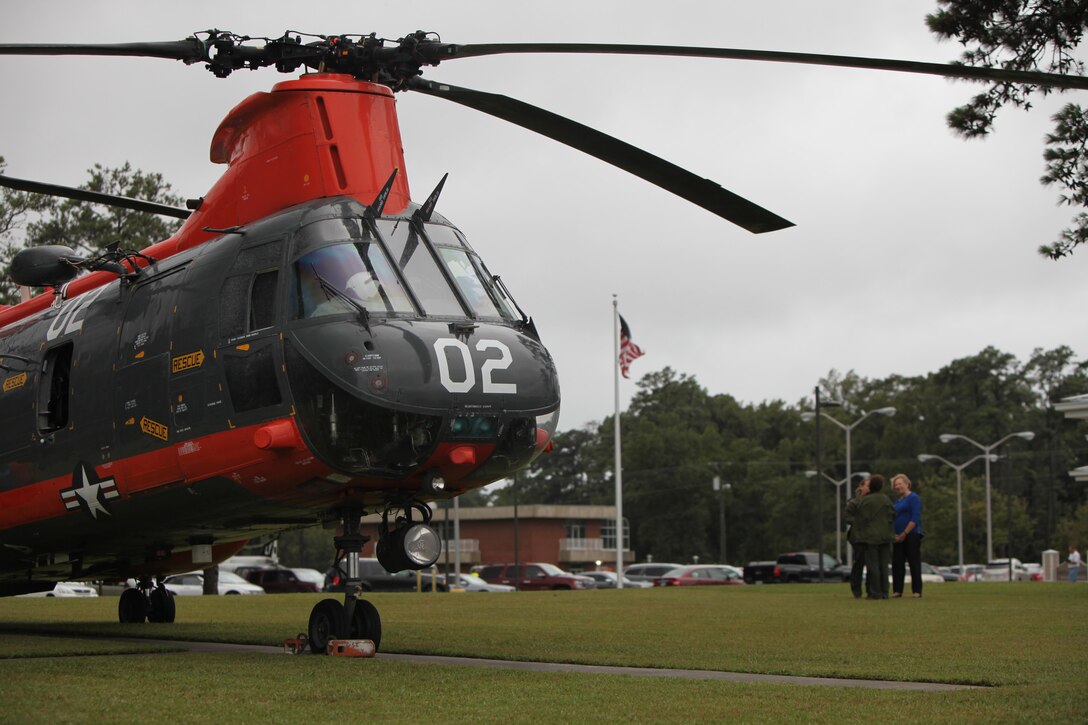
(912, 247)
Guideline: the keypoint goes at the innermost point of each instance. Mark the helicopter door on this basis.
(248, 352)
(141, 399)
(54, 389)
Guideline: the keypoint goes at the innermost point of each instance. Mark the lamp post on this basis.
(987, 450)
(848, 428)
(923, 457)
(721, 488)
(838, 508)
(819, 489)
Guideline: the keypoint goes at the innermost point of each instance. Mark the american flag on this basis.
(629, 351)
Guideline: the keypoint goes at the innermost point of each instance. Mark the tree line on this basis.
(677, 437)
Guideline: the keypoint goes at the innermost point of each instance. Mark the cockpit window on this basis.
(420, 268)
(476, 285)
(327, 278)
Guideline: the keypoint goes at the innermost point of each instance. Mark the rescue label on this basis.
(15, 381)
(191, 361)
(152, 428)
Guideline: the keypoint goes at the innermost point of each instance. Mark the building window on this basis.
(576, 529)
(608, 534)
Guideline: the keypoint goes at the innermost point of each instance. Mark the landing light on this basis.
(413, 546)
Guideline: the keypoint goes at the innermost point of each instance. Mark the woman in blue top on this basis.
(908, 537)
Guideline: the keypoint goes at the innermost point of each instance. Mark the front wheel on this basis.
(366, 623)
(327, 622)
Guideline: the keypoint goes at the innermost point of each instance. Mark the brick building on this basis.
(574, 538)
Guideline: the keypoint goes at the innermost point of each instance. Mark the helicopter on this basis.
(310, 346)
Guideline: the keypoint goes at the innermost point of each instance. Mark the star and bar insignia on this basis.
(88, 491)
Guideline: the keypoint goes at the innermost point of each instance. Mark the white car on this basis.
(999, 570)
(607, 580)
(192, 584)
(66, 589)
(929, 575)
(469, 583)
(970, 573)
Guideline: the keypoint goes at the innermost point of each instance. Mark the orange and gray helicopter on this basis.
(310, 346)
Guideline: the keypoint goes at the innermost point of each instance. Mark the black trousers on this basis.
(904, 553)
(857, 568)
(877, 559)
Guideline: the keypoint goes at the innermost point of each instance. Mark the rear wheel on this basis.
(366, 623)
(161, 606)
(327, 623)
(132, 606)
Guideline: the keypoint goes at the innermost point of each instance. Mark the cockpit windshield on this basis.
(357, 271)
(477, 286)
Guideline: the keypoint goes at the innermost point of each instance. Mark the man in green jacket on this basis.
(873, 528)
(859, 548)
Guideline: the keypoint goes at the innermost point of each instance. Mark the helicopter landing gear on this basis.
(355, 618)
(148, 601)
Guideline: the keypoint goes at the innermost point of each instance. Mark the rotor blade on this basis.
(668, 176)
(998, 75)
(68, 192)
(189, 50)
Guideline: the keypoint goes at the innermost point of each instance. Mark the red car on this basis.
(705, 574)
(533, 576)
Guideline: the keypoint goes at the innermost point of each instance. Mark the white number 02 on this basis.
(490, 365)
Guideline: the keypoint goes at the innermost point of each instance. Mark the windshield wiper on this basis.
(331, 291)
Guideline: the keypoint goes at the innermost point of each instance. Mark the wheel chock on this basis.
(350, 648)
(295, 645)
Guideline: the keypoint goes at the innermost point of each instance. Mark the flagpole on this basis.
(619, 457)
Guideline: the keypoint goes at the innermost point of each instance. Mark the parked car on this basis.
(649, 571)
(374, 578)
(796, 566)
(66, 589)
(277, 581)
(531, 576)
(1034, 571)
(607, 580)
(930, 575)
(701, 575)
(469, 582)
(253, 562)
(999, 570)
(947, 573)
(310, 575)
(192, 584)
(970, 572)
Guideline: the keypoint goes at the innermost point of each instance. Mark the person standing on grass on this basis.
(873, 529)
(908, 537)
(858, 548)
(1074, 564)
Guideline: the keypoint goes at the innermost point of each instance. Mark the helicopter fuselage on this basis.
(317, 359)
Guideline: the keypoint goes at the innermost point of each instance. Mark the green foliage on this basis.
(14, 208)
(1066, 166)
(1025, 35)
(677, 437)
(83, 226)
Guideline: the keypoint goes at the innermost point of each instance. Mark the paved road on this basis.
(592, 669)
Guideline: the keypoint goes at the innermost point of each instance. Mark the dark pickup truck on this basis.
(798, 566)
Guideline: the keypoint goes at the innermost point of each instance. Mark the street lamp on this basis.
(923, 457)
(721, 488)
(838, 508)
(848, 429)
(820, 489)
(987, 450)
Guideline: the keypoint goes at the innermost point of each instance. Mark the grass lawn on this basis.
(1026, 641)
